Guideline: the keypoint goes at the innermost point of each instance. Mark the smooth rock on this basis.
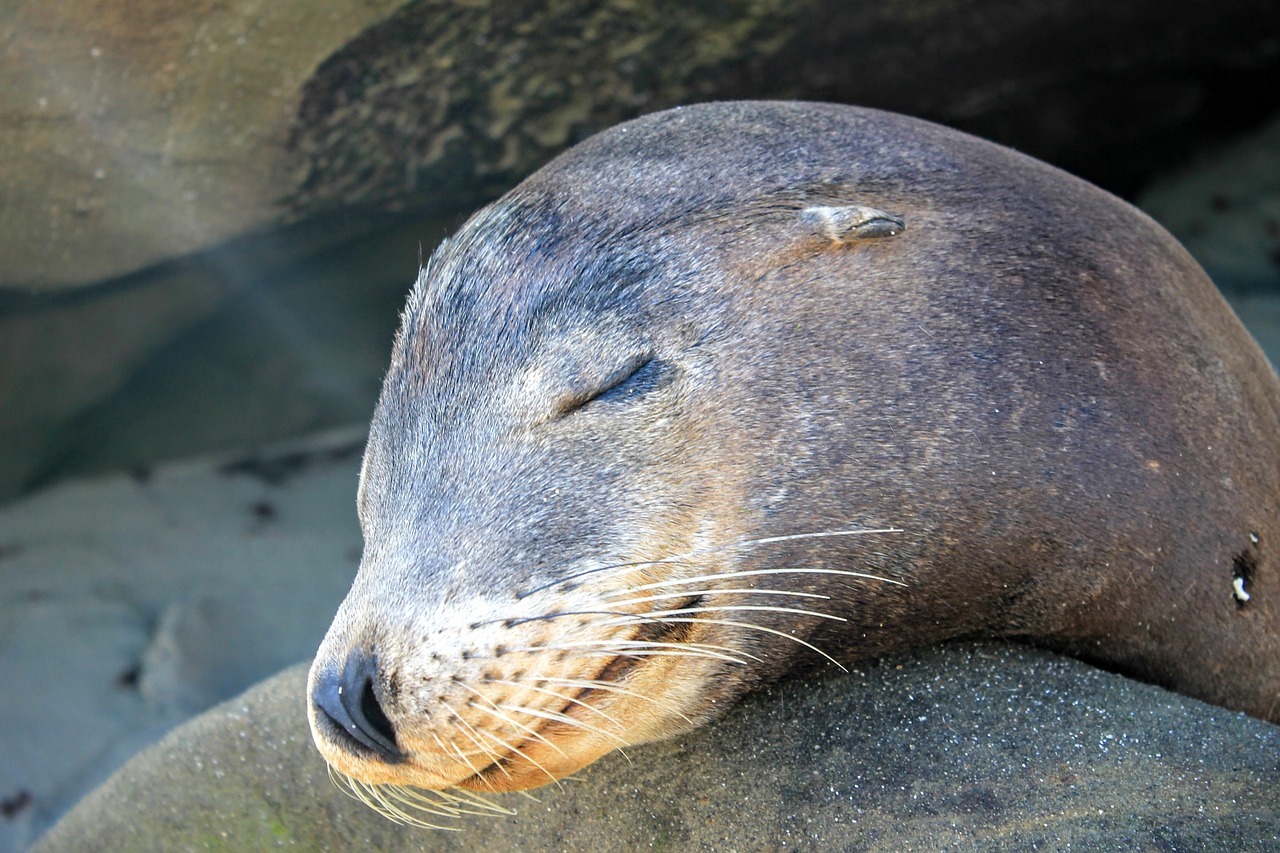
(974, 747)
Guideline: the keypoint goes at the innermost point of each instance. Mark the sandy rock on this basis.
(974, 747)
(141, 131)
(1225, 208)
(200, 653)
(130, 602)
(59, 360)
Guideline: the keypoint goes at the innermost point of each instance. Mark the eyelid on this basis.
(623, 373)
(614, 380)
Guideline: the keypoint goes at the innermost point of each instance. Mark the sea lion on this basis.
(736, 388)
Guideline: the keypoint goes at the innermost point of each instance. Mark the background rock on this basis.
(1224, 207)
(129, 603)
(270, 345)
(974, 747)
(144, 135)
(140, 132)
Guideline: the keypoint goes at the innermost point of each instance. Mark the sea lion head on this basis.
(576, 455)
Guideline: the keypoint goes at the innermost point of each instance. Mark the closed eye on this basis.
(633, 379)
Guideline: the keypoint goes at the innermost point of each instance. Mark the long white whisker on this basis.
(570, 699)
(475, 771)
(495, 759)
(389, 807)
(595, 684)
(688, 593)
(515, 750)
(373, 797)
(496, 711)
(642, 647)
(552, 716)
(452, 802)
(512, 622)
(749, 573)
(755, 627)
(749, 543)
(637, 618)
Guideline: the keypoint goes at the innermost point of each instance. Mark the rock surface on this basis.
(1225, 208)
(129, 603)
(974, 747)
(139, 132)
(144, 135)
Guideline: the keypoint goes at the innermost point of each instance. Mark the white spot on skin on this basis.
(1237, 587)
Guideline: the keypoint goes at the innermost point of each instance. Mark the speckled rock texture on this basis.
(142, 134)
(965, 747)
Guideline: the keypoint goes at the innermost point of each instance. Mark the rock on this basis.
(140, 136)
(1225, 208)
(130, 602)
(143, 132)
(975, 747)
(195, 155)
(59, 360)
(200, 654)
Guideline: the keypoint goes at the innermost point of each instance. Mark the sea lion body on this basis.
(637, 406)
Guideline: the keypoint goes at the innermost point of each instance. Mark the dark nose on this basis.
(348, 701)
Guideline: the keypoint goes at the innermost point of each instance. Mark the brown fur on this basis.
(1033, 382)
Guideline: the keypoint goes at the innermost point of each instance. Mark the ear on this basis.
(850, 223)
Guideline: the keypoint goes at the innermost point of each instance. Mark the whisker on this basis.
(372, 797)
(748, 543)
(642, 647)
(755, 627)
(452, 802)
(555, 717)
(390, 806)
(686, 593)
(496, 711)
(654, 653)
(609, 687)
(547, 617)
(475, 771)
(561, 696)
(515, 750)
(473, 736)
(637, 618)
(403, 804)
(750, 573)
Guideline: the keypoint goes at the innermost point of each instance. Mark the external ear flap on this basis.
(852, 222)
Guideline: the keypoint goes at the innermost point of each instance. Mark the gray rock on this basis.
(973, 747)
(199, 655)
(1225, 208)
(191, 156)
(137, 137)
(137, 134)
(128, 603)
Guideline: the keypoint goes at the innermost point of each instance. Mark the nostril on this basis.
(372, 714)
(350, 702)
